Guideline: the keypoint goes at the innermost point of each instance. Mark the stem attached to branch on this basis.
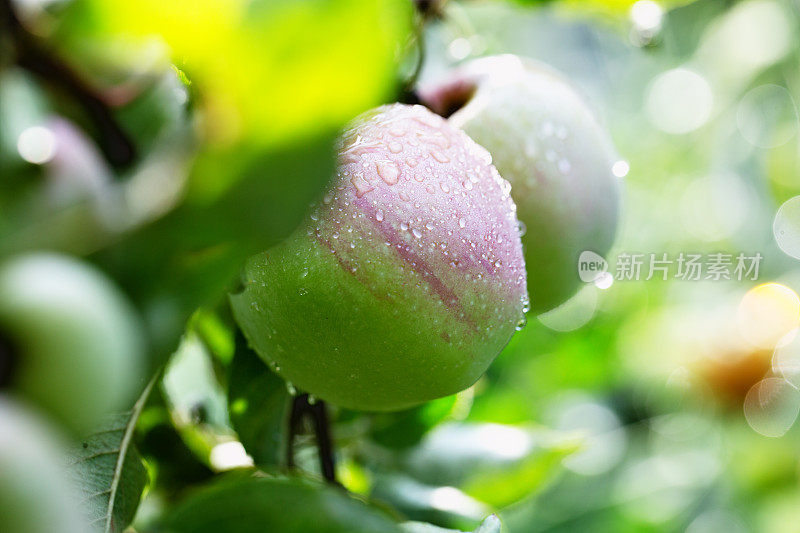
(317, 412)
(30, 55)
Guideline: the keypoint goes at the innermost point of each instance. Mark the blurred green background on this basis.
(639, 405)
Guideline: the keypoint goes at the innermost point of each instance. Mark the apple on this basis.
(36, 494)
(407, 278)
(73, 341)
(546, 141)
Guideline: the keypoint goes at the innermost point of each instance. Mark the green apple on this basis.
(546, 141)
(73, 339)
(407, 278)
(36, 495)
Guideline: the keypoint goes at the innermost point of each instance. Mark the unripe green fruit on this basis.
(407, 279)
(36, 495)
(548, 144)
(75, 340)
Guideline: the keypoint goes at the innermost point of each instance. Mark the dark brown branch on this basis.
(317, 412)
(30, 55)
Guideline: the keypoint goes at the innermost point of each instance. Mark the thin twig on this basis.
(322, 430)
(317, 412)
(299, 404)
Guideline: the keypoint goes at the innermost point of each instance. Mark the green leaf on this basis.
(492, 524)
(494, 463)
(258, 403)
(110, 471)
(195, 398)
(405, 428)
(257, 505)
(259, 80)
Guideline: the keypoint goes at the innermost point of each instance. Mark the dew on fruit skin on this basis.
(445, 187)
(379, 216)
(404, 226)
(439, 156)
(362, 186)
(395, 147)
(304, 273)
(388, 171)
(412, 162)
(417, 233)
(302, 292)
(462, 223)
(291, 388)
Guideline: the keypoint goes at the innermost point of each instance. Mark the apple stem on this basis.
(117, 147)
(317, 412)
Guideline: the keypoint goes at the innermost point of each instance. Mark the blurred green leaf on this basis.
(270, 504)
(216, 334)
(109, 470)
(424, 527)
(492, 524)
(257, 78)
(258, 403)
(439, 505)
(405, 428)
(196, 400)
(493, 463)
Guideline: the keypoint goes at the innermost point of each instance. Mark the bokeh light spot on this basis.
(36, 145)
(786, 227)
(621, 168)
(767, 313)
(771, 406)
(229, 455)
(646, 16)
(679, 101)
(573, 313)
(786, 359)
(767, 116)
